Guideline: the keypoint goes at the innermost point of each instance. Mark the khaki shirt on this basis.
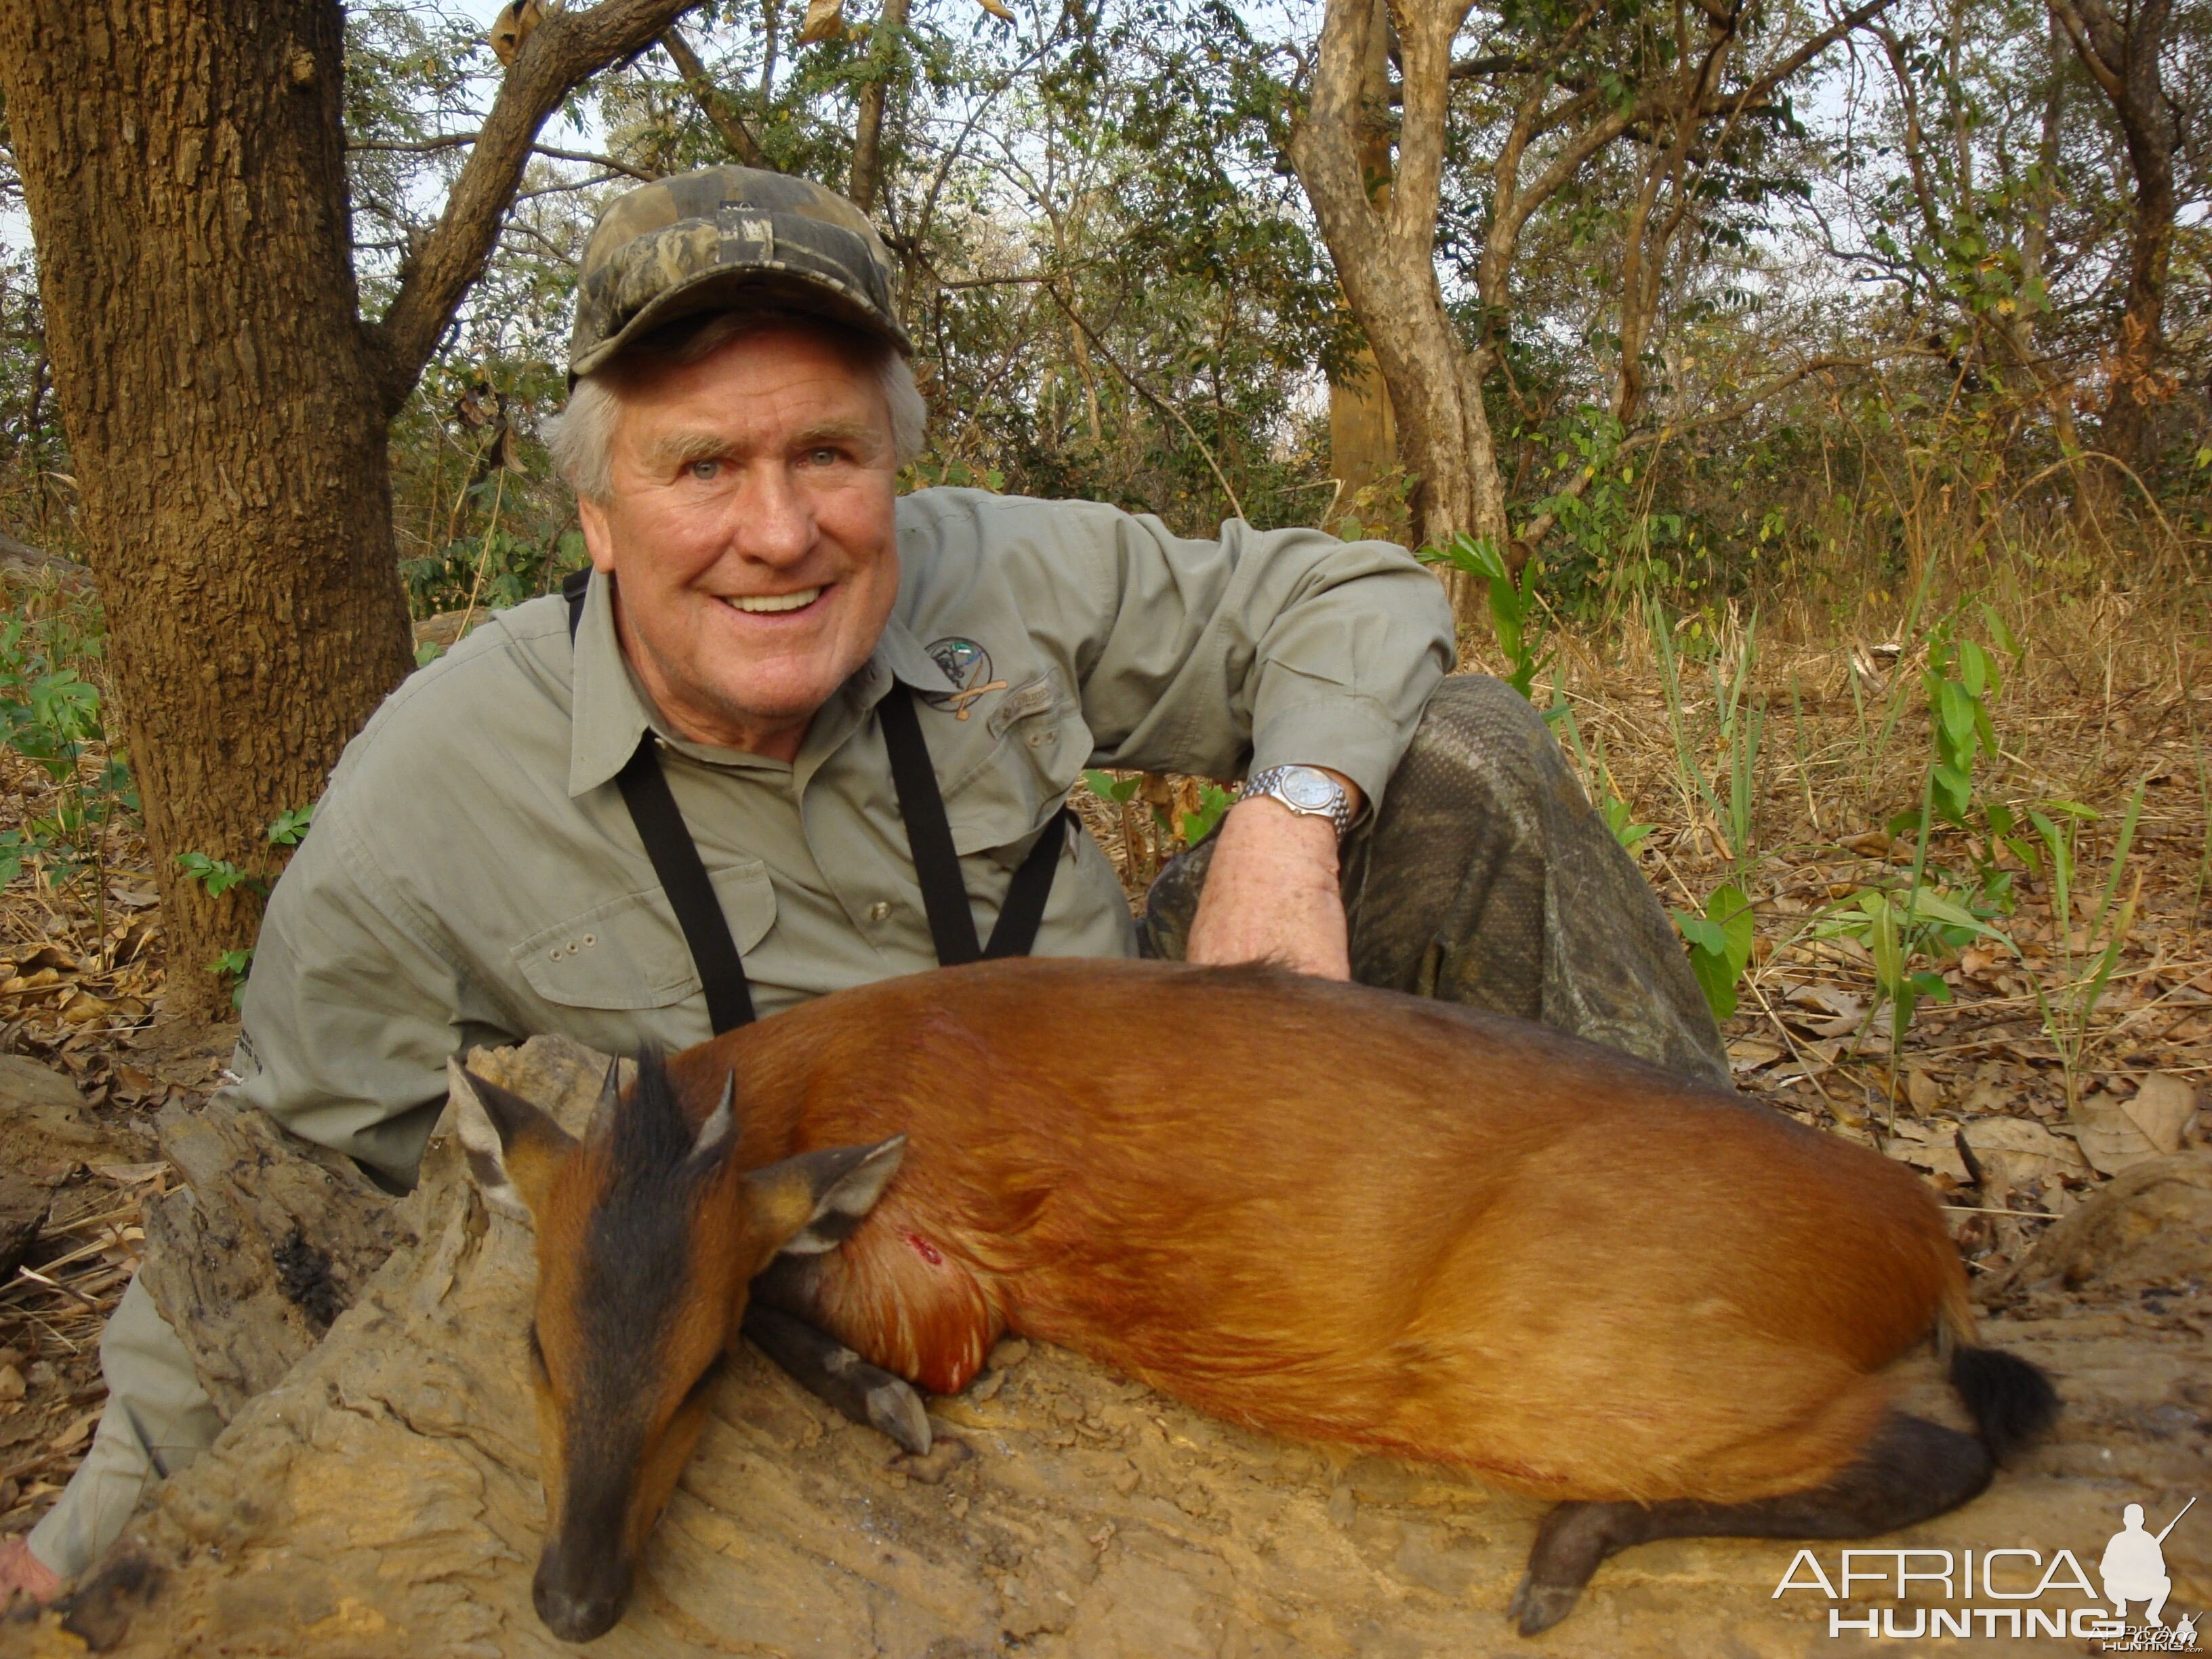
(473, 877)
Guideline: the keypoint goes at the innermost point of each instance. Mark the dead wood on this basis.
(385, 1500)
(269, 1241)
(22, 560)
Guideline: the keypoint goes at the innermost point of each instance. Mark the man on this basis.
(838, 727)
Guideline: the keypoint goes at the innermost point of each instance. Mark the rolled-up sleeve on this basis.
(1255, 649)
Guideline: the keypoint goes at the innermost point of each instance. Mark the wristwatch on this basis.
(1306, 790)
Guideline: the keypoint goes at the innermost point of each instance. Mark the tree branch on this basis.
(1813, 48)
(1148, 395)
(640, 174)
(565, 50)
(717, 108)
(413, 146)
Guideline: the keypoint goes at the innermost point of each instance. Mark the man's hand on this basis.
(1271, 892)
(22, 1572)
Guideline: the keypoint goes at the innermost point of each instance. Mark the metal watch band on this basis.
(1272, 783)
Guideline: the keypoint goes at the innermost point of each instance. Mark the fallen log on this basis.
(383, 1498)
(268, 1242)
(29, 563)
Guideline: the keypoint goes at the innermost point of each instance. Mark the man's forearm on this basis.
(1271, 891)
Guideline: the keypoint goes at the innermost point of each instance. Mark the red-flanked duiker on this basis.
(1339, 1213)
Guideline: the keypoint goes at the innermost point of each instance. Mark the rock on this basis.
(2152, 1226)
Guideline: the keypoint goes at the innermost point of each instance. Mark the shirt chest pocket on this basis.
(629, 953)
(1011, 770)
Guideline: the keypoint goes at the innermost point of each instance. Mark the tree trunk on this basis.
(1363, 437)
(184, 166)
(227, 407)
(2122, 56)
(1385, 258)
(867, 176)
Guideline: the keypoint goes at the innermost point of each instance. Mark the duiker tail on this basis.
(2012, 1398)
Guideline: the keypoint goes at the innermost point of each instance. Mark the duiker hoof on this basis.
(895, 1409)
(1539, 1607)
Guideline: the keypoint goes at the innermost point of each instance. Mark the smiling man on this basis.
(796, 732)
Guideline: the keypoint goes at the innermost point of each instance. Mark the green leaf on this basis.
(217, 876)
(1957, 790)
(291, 826)
(1213, 801)
(1956, 709)
(1107, 788)
(1708, 938)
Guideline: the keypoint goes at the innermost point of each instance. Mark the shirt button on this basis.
(880, 910)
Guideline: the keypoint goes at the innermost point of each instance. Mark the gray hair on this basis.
(582, 436)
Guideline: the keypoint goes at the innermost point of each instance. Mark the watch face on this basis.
(1310, 790)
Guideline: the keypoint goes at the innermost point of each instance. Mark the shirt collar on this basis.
(608, 715)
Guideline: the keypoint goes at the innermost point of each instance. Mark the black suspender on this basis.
(683, 878)
(676, 860)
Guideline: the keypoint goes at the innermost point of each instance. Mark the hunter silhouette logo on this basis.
(2134, 1566)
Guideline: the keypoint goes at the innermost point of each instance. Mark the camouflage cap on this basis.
(724, 238)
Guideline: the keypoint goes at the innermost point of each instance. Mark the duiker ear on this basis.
(811, 1202)
(601, 1122)
(512, 1147)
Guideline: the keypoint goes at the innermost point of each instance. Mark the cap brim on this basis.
(736, 290)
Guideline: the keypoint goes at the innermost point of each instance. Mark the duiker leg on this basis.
(833, 1373)
(825, 1367)
(1911, 1470)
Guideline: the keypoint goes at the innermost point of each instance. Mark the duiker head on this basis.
(648, 1235)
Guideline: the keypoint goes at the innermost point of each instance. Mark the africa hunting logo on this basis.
(2131, 1572)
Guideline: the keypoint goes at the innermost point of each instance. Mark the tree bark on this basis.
(712, 102)
(2122, 56)
(184, 166)
(1385, 258)
(867, 173)
(1363, 437)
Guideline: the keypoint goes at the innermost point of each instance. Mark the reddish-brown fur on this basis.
(1352, 1217)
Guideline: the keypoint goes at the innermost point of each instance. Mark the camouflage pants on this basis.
(1487, 878)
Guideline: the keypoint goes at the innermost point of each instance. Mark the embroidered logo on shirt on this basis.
(968, 666)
